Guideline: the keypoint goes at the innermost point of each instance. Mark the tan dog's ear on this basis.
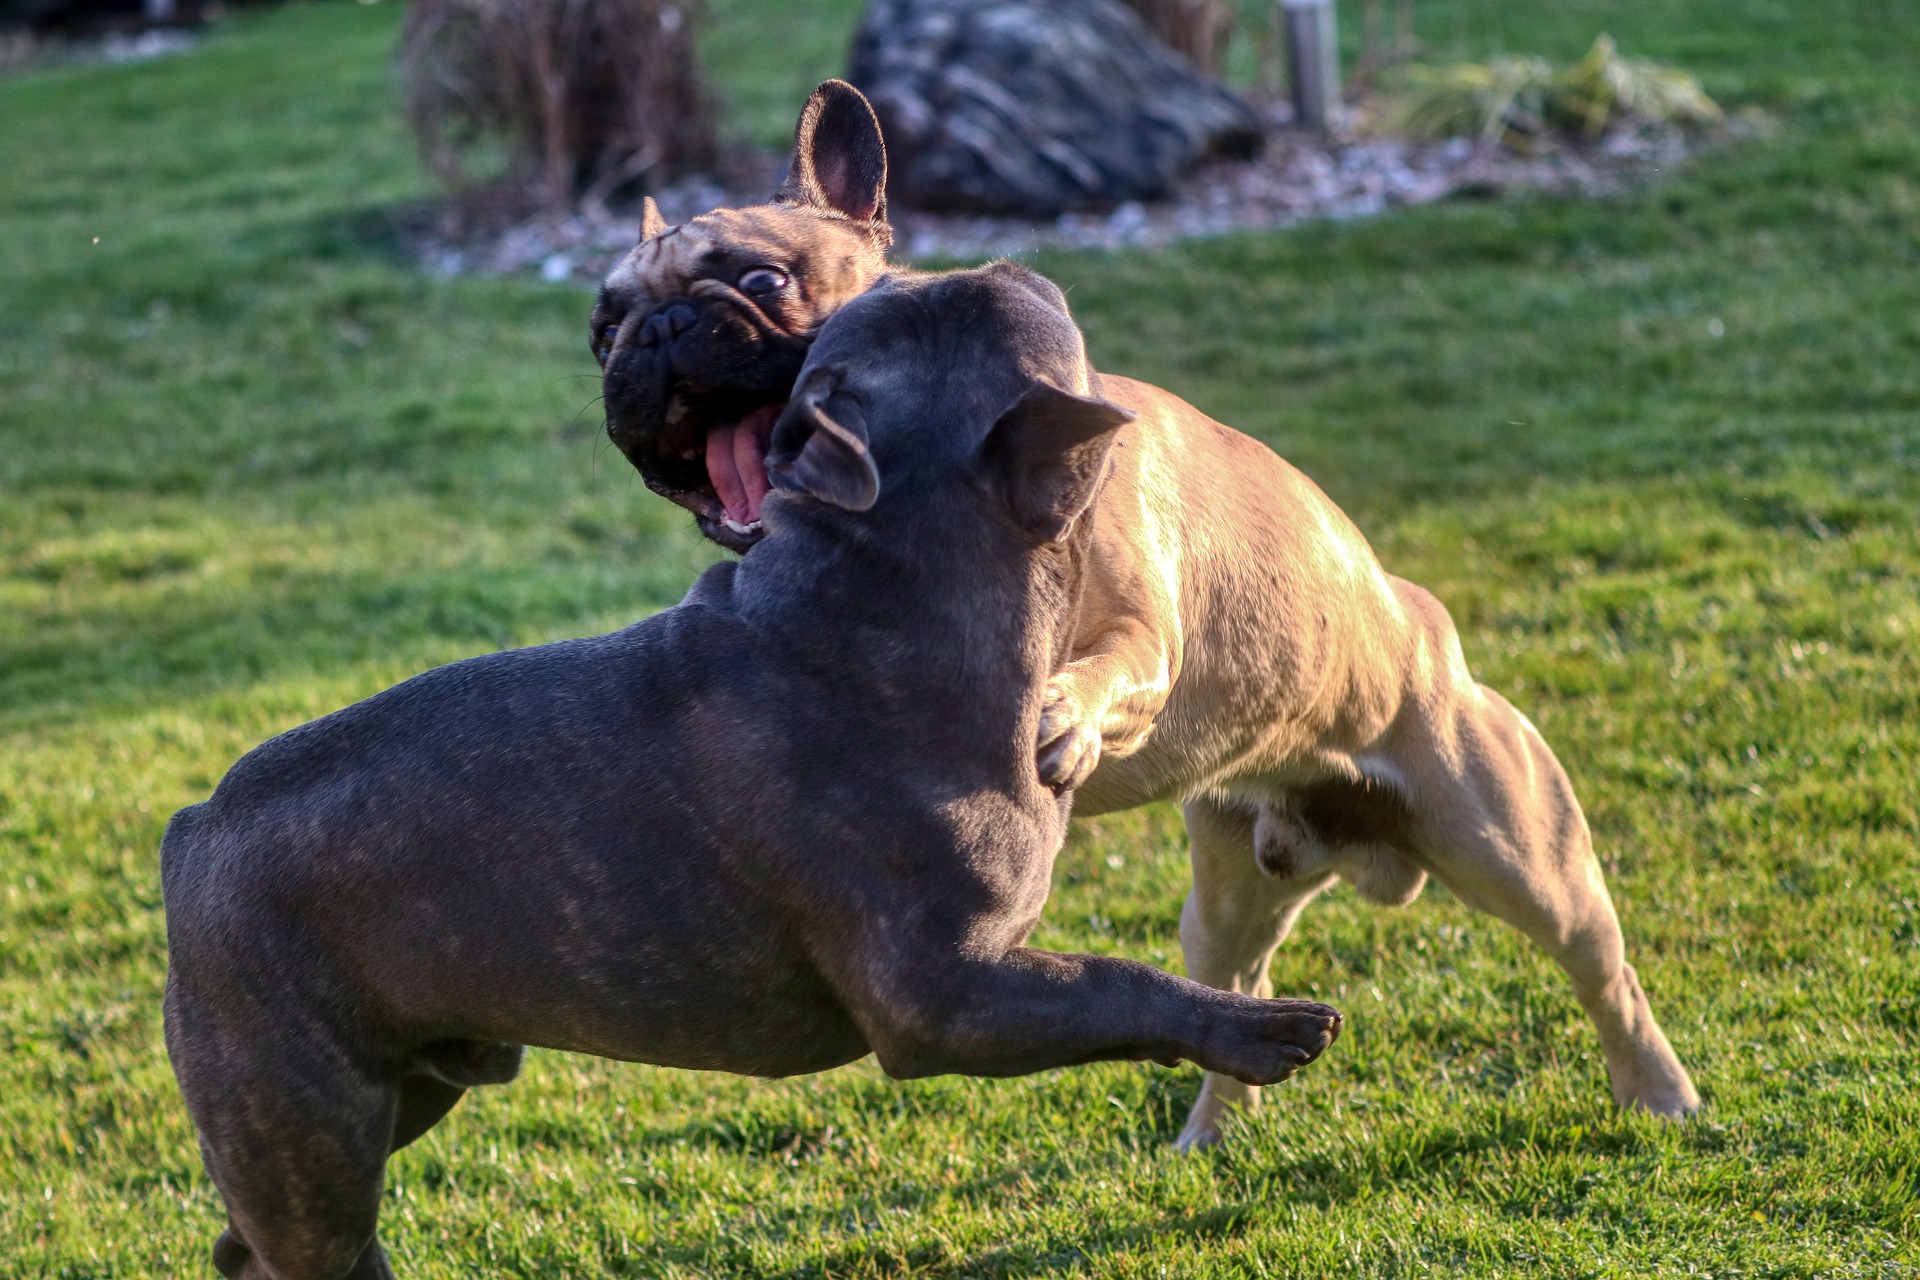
(839, 158)
(1048, 453)
(651, 223)
(822, 453)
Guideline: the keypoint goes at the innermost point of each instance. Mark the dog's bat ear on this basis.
(1048, 453)
(651, 223)
(819, 447)
(840, 159)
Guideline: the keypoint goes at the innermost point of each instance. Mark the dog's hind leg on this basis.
(1234, 918)
(295, 1135)
(1499, 825)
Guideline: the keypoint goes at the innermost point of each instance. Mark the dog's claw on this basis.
(1285, 1036)
(1068, 760)
(1069, 748)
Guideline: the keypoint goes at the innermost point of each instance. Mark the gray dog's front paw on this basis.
(1267, 1044)
(1068, 744)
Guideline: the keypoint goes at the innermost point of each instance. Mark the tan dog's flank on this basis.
(1240, 648)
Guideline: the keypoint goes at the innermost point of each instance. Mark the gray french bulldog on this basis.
(789, 822)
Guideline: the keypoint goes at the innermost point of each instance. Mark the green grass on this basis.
(253, 465)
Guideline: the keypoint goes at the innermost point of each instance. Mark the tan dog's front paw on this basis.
(1068, 744)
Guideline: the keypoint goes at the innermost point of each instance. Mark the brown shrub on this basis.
(585, 98)
(1197, 28)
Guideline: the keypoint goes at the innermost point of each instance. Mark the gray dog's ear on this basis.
(819, 447)
(1048, 453)
(839, 158)
(651, 223)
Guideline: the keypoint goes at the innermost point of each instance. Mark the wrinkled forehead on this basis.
(827, 256)
(972, 341)
(971, 324)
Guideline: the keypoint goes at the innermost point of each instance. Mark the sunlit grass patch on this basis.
(1658, 455)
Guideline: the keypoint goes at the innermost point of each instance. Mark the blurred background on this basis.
(1601, 318)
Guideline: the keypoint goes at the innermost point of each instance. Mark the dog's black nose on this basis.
(665, 325)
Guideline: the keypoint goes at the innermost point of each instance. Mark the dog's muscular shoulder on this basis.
(1213, 559)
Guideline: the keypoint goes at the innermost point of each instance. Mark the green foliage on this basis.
(1484, 100)
(1604, 88)
(1523, 101)
(1659, 456)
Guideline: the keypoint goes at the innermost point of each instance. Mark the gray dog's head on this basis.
(702, 328)
(941, 407)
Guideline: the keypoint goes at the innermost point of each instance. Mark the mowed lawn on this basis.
(1660, 455)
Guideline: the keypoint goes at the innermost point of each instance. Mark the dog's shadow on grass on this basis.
(1253, 1172)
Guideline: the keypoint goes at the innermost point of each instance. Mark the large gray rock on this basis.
(1035, 107)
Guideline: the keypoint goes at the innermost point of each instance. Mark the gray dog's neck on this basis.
(954, 617)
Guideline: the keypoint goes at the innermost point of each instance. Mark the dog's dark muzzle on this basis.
(688, 399)
(694, 361)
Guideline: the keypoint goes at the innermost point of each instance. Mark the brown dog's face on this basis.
(702, 329)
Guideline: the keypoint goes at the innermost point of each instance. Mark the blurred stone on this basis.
(1036, 107)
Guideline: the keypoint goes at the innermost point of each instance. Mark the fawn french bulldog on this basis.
(1237, 646)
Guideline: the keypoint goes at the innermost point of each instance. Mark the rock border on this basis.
(1300, 177)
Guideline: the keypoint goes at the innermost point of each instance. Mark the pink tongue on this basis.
(737, 463)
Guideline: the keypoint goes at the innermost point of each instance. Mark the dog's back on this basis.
(527, 846)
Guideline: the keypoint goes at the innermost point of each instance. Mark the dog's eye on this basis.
(762, 281)
(603, 345)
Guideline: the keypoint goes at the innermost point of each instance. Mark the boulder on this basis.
(1036, 107)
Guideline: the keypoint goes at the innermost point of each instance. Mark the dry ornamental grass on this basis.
(586, 98)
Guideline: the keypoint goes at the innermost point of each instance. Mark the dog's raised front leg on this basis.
(1103, 703)
(1234, 918)
(1127, 637)
(1031, 1010)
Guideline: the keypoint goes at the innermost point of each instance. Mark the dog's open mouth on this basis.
(711, 458)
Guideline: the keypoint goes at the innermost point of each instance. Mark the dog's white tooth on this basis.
(737, 527)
